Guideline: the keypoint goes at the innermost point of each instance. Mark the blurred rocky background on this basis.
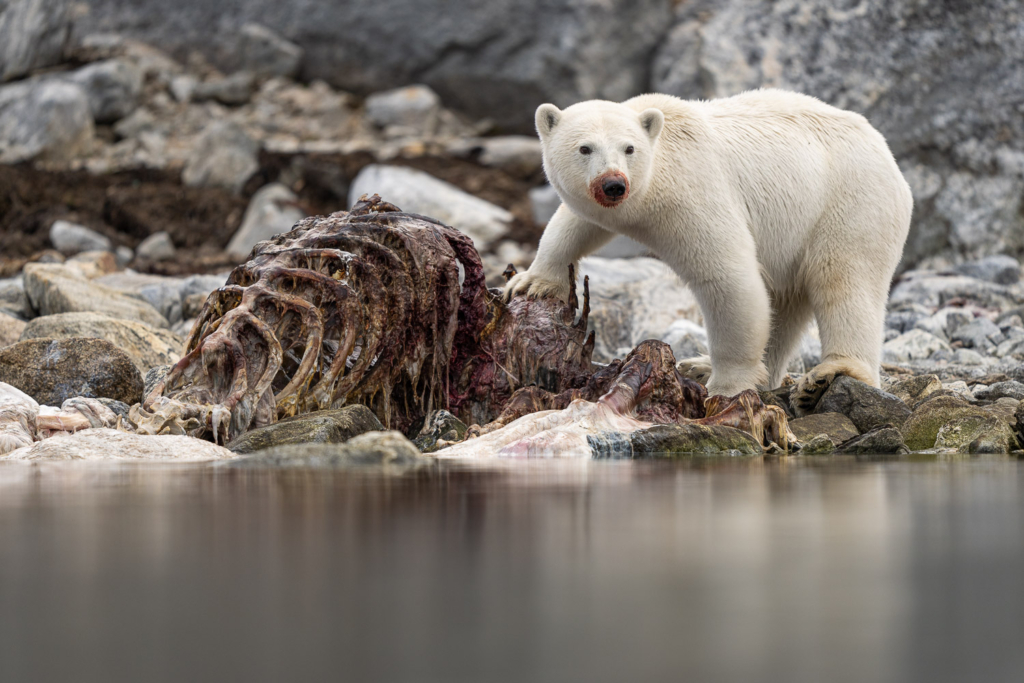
(146, 146)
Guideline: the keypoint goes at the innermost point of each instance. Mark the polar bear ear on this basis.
(653, 121)
(547, 117)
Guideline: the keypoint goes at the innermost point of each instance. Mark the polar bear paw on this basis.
(536, 286)
(697, 368)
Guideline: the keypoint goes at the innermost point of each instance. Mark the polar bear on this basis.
(771, 205)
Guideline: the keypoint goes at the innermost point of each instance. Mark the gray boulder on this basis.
(271, 211)
(836, 426)
(866, 406)
(147, 346)
(13, 299)
(156, 247)
(70, 238)
(112, 86)
(33, 34)
(54, 288)
(913, 345)
(11, 329)
(43, 119)
(232, 90)
(415, 108)
(54, 370)
(1000, 269)
(223, 156)
(879, 441)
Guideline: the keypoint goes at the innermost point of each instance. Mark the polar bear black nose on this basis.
(614, 188)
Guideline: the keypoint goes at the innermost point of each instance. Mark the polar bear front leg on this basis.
(566, 238)
(737, 312)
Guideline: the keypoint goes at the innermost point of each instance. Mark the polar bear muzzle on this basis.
(609, 189)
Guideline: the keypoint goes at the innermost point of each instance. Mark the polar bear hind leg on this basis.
(791, 312)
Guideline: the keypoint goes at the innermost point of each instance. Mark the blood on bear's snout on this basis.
(609, 189)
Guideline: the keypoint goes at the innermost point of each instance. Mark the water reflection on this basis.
(705, 569)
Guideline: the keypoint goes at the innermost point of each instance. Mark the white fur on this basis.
(772, 206)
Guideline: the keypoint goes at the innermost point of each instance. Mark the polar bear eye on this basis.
(584, 150)
(630, 150)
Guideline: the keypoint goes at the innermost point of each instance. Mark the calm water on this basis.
(702, 570)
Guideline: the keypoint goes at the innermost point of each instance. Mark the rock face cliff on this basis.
(941, 79)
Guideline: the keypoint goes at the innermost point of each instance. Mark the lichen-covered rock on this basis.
(835, 426)
(865, 405)
(54, 370)
(977, 433)
(110, 444)
(438, 428)
(819, 445)
(54, 288)
(325, 426)
(682, 439)
(146, 345)
(881, 441)
(389, 449)
(921, 429)
(913, 389)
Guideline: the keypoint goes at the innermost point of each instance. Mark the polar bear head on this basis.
(598, 151)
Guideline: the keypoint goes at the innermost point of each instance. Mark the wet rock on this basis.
(325, 426)
(1009, 389)
(416, 108)
(836, 426)
(418, 192)
(865, 405)
(266, 54)
(46, 120)
(633, 300)
(388, 449)
(156, 247)
(71, 238)
(440, 429)
(922, 427)
(113, 88)
(1000, 269)
(13, 299)
(271, 211)
(147, 346)
(818, 445)
(880, 441)
(11, 329)
(681, 439)
(232, 90)
(913, 389)
(544, 201)
(56, 289)
(223, 156)
(54, 370)
(110, 444)
(976, 433)
(153, 377)
(33, 34)
(913, 345)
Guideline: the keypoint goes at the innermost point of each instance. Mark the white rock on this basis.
(271, 211)
(418, 192)
(18, 413)
(223, 156)
(944, 321)
(110, 444)
(959, 387)
(544, 201)
(112, 86)
(70, 238)
(687, 339)
(633, 300)
(517, 154)
(43, 119)
(156, 247)
(913, 345)
(968, 357)
(182, 87)
(33, 34)
(416, 107)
